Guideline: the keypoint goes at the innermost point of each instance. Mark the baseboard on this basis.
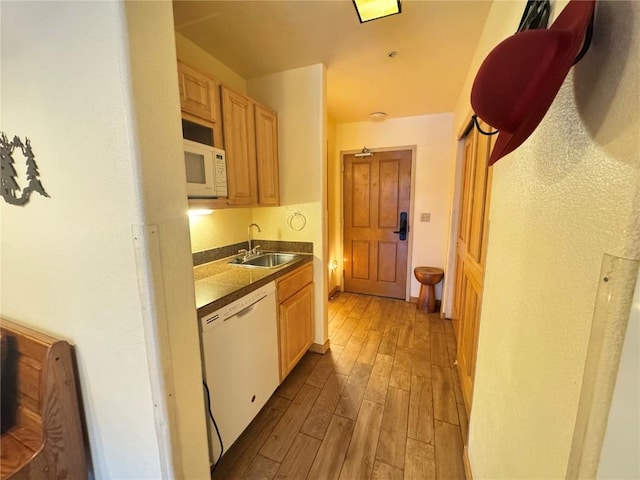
(335, 290)
(413, 299)
(318, 348)
(467, 465)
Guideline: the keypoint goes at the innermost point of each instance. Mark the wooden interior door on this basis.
(377, 189)
(471, 247)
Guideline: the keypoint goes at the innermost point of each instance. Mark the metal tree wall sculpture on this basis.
(9, 187)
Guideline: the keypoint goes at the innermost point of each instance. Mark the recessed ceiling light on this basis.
(392, 54)
(378, 115)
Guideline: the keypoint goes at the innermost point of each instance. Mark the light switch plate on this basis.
(425, 217)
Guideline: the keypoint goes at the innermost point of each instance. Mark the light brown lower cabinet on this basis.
(295, 317)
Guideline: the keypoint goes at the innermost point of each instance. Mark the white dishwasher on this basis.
(240, 352)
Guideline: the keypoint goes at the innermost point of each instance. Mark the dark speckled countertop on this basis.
(219, 283)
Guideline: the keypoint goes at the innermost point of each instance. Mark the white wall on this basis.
(169, 312)
(334, 241)
(68, 262)
(222, 227)
(432, 136)
(299, 97)
(561, 202)
(619, 459)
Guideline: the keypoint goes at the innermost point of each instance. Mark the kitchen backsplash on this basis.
(265, 245)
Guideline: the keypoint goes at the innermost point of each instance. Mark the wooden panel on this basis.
(467, 337)
(238, 126)
(291, 283)
(324, 368)
(420, 463)
(393, 433)
(29, 381)
(13, 455)
(421, 410)
(389, 198)
(238, 458)
(351, 399)
(458, 289)
(53, 430)
(449, 451)
(382, 471)
(295, 328)
(444, 400)
(362, 449)
(401, 371)
(361, 198)
(377, 388)
(361, 254)
(468, 341)
(285, 432)
(262, 467)
(387, 261)
(290, 387)
(322, 412)
(470, 255)
(298, 461)
(478, 203)
(197, 93)
(467, 182)
(267, 156)
(439, 353)
(370, 347)
(328, 461)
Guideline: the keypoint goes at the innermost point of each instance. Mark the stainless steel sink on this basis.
(265, 260)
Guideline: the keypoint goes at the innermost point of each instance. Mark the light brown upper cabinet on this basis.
(197, 93)
(267, 155)
(251, 145)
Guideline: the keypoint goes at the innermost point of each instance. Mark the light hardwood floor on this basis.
(383, 403)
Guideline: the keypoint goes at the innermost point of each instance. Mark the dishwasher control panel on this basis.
(237, 306)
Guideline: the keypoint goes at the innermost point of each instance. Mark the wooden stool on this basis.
(428, 277)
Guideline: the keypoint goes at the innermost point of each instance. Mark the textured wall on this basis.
(68, 261)
(563, 200)
(165, 274)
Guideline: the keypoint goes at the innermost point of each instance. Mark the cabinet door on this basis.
(197, 93)
(267, 156)
(238, 126)
(295, 328)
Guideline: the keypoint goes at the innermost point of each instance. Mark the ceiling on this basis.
(434, 41)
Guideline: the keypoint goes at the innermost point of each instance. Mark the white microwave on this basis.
(206, 168)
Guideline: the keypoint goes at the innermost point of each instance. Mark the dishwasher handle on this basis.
(246, 309)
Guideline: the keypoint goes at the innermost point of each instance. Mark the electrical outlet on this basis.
(425, 217)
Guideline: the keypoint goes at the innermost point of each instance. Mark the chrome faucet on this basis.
(252, 251)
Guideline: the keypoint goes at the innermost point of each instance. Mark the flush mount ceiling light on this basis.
(372, 9)
(377, 116)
